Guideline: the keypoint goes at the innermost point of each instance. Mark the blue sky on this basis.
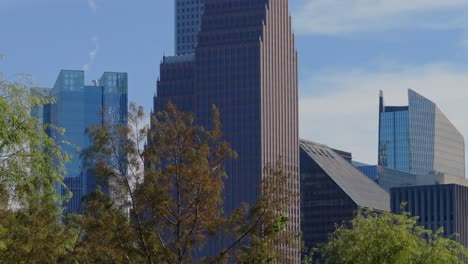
(348, 51)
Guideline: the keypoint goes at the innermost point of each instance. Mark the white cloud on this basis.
(348, 16)
(346, 117)
(92, 5)
(92, 54)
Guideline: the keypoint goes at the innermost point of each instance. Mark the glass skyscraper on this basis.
(419, 139)
(76, 108)
(188, 15)
(245, 63)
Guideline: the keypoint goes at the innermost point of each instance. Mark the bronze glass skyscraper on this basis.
(245, 63)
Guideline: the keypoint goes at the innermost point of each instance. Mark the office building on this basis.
(76, 108)
(245, 63)
(370, 171)
(332, 189)
(436, 206)
(188, 15)
(390, 178)
(419, 139)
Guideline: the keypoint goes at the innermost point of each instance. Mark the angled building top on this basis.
(363, 191)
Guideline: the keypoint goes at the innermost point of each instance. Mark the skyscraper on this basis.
(419, 139)
(188, 15)
(76, 108)
(245, 63)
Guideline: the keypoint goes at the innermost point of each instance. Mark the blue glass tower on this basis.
(76, 108)
(419, 139)
(394, 137)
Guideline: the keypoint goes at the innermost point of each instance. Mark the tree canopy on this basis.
(31, 166)
(157, 202)
(382, 237)
(173, 188)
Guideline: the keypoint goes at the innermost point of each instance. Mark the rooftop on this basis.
(363, 191)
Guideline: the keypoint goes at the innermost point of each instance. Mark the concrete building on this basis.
(390, 178)
(437, 206)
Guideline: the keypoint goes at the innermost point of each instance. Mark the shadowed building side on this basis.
(437, 206)
(332, 189)
(245, 63)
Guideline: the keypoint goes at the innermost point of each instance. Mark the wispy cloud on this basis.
(93, 6)
(92, 54)
(331, 17)
(347, 116)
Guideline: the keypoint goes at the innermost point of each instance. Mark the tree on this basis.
(31, 166)
(173, 189)
(111, 238)
(261, 229)
(373, 237)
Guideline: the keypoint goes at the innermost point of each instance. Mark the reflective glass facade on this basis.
(188, 15)
(245, 63)
(76, 108)
(419, 139)
(422, 133)
(370, 171)
(394, 140)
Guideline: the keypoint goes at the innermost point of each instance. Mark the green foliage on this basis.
(166, 199)
(31, 166)
(105, 235)
(263, 229)
(174, 189)
(373, 237)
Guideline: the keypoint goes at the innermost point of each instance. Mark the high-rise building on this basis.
(188, 15)
(332, 190)
(436, 206)
(245, 63)
(76, 108)
(419, 139)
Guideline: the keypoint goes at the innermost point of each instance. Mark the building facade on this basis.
(370, 171)
(76, 108)
(245, 63)
(332, 189)
(390, 178)
(437, 206)
(188, 15)
(419, 139)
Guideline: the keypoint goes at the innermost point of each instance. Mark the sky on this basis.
(348, 51)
